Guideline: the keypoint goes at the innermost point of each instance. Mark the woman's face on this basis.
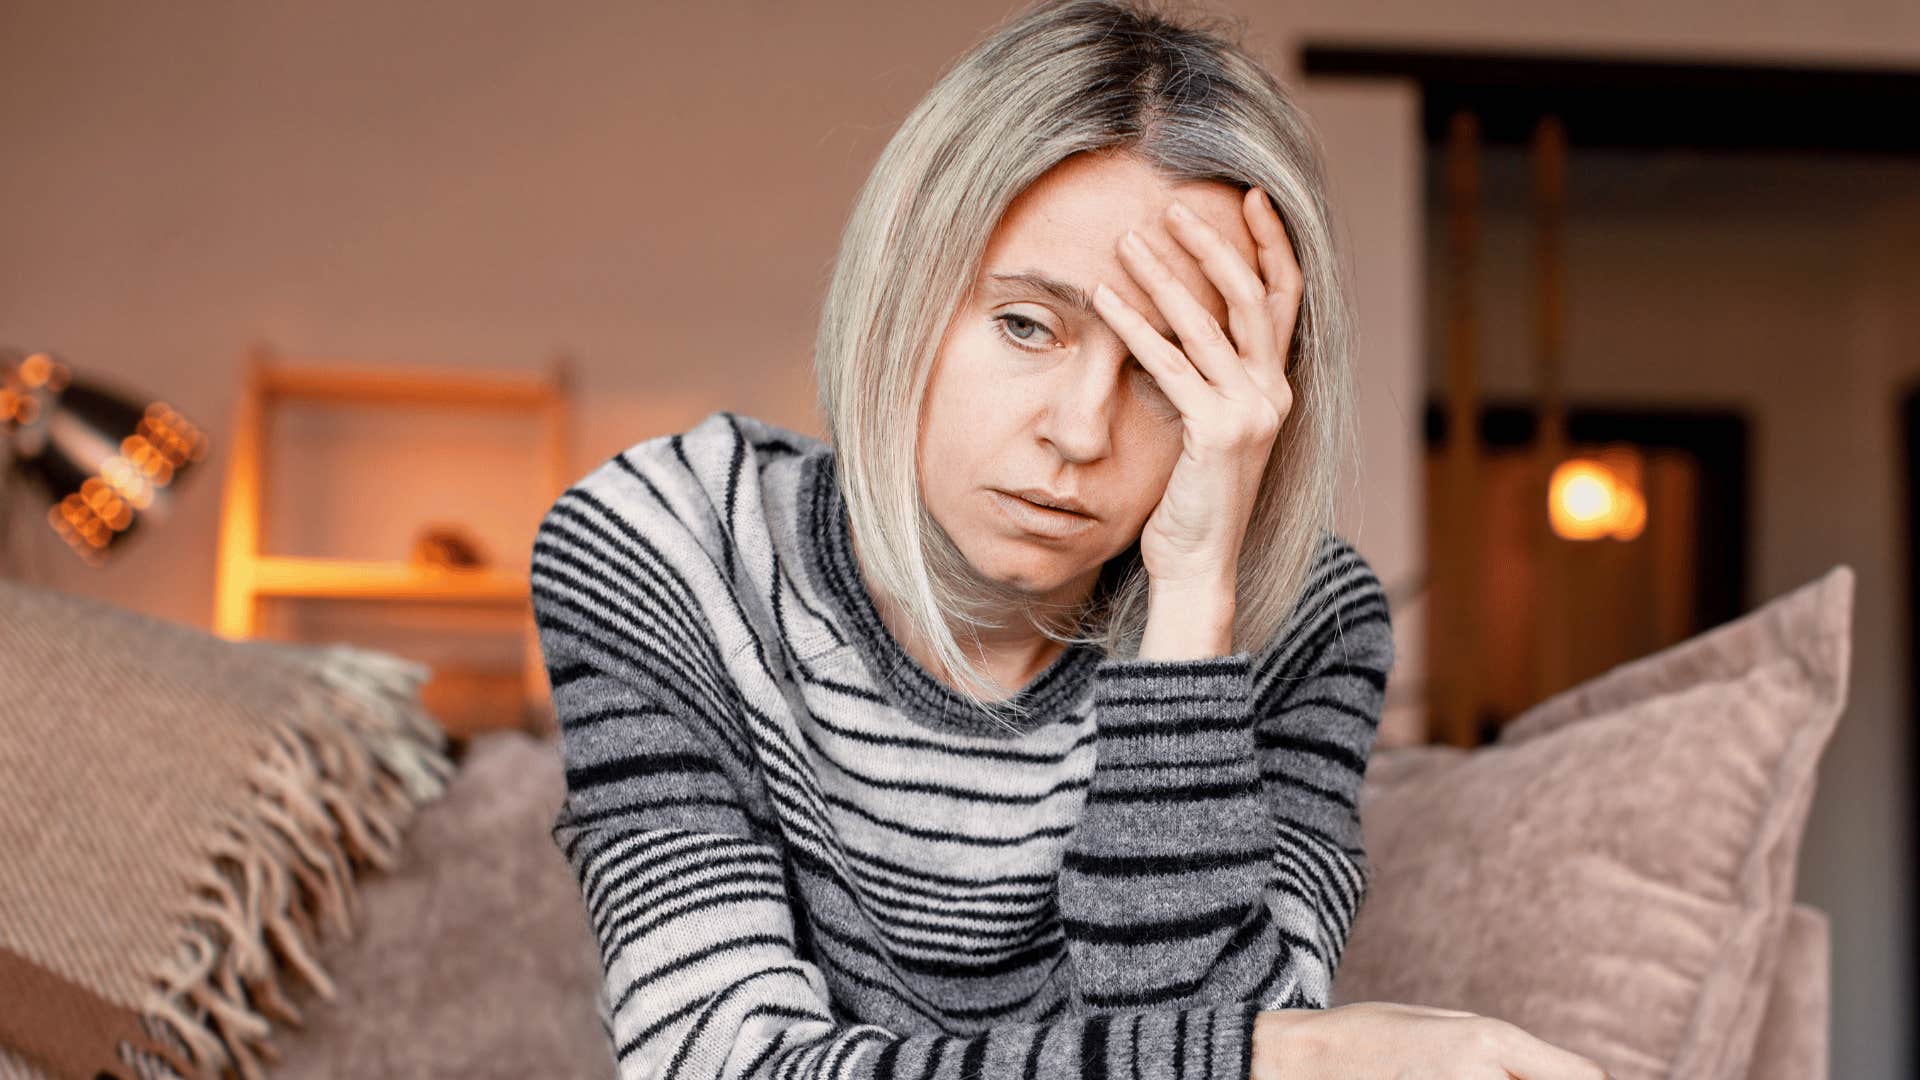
(1032, 390)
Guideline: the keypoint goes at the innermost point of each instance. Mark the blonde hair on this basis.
(1059, 78)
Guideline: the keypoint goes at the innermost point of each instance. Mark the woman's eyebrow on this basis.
(1066, 292)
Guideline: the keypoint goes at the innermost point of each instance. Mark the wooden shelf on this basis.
(342, 382)
(373, 579)
(465, 701)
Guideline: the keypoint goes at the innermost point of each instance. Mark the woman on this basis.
(1016, 730)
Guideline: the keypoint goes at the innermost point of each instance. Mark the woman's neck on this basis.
(1011, 655)
(1011, 652)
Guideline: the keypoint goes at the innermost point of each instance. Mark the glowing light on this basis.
(115, 490)
(1593, 497)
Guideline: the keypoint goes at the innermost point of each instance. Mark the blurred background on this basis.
(1637, 282)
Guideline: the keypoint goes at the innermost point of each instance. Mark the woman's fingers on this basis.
(1163, 360)
(1237, 282)
(1245, 411)
(1247, 371)
(1202, 339)
(1279, 269)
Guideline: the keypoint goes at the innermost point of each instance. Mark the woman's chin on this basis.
(1030, 571)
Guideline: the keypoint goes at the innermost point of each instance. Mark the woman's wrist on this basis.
(1282, 1048)
(1189, 619)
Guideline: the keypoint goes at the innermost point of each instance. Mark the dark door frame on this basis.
(1909, 473)
(1621, 102)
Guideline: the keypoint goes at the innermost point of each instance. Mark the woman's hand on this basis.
(1232, 394)
(1379, 1040)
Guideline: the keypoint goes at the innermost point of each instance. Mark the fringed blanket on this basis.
(182, 819)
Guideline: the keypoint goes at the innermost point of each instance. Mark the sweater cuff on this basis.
(1215, 1041)
(1172, 712)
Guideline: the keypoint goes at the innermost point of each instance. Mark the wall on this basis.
(658, 188)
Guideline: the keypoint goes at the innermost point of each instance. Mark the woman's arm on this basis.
(682, 875)
(1219, 855)
(1319, 698)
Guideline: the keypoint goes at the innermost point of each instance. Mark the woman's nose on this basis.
(1078, 419)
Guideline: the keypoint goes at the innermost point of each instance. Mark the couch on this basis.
(477, 950)
(1539, 879)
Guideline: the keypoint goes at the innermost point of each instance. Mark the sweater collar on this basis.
(827, 539)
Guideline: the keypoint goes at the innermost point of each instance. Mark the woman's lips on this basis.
(1040, 520)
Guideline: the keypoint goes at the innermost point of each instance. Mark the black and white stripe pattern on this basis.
(803, 856)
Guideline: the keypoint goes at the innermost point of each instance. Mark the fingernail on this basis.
(1180, 211)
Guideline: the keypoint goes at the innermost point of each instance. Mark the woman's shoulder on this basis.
(1340, 570)
(702, 472)
(711, 453)
(692, 492)
(1343, 601)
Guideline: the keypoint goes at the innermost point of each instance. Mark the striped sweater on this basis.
(803, 855)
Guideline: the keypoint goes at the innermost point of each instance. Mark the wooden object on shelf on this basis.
(246, 576)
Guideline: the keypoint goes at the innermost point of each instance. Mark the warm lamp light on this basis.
(1594, 497)
(106, 461)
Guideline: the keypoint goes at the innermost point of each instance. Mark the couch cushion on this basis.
(1793, 1036)
(1614, 875)
(475, 958)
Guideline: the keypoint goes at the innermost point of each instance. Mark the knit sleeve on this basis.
(1218, 857)
(708, 967)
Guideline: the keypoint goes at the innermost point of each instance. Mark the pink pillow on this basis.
(1613, 875)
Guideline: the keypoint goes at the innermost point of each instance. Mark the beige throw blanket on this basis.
(181, 822)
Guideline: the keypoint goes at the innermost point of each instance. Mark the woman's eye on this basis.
(1153, 384)
(1018, 329)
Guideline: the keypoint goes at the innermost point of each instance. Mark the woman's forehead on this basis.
(1060, 237)
(1096, 196)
